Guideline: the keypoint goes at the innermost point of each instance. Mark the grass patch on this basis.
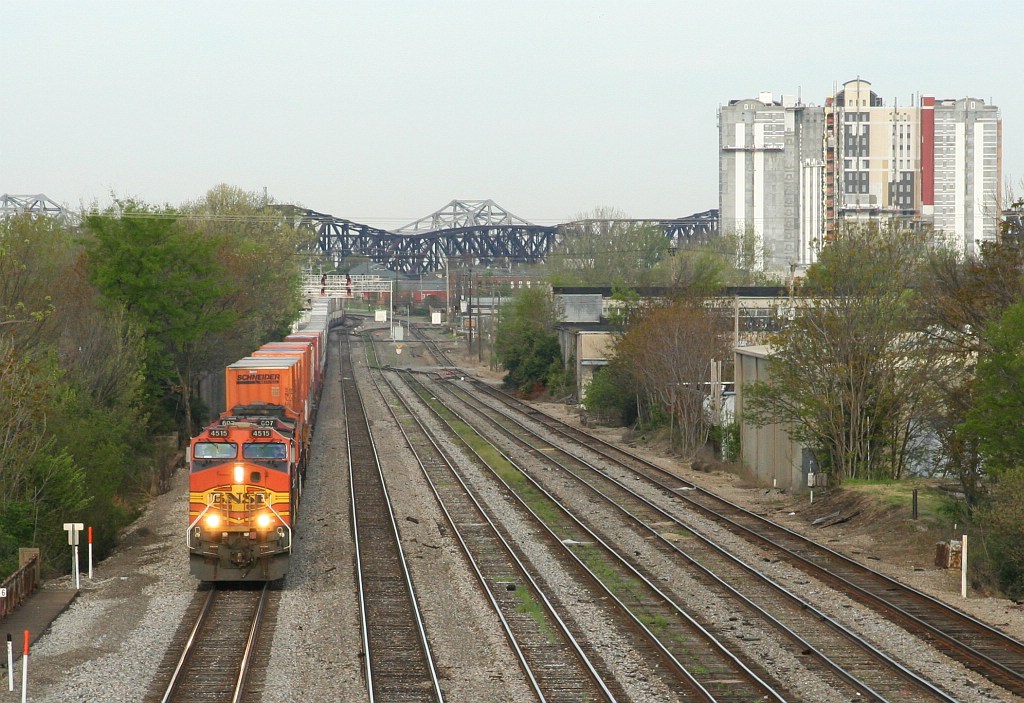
(935, 506)
(535, 611)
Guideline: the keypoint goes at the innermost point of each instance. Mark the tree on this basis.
(257, 249)
(525, 342)
(604, 248)
(999, 404)
(24, 394)
(40, 484)
(670, 351)
(172, 282)
(960, 297)
(612, 393)
(32, 249)
(70, 374)
(1001, 518)
(848, 375)
(698, 271)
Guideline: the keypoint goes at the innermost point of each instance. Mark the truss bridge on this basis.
(35, 205)
(477, 229)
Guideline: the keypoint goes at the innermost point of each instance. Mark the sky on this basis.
(384, 111)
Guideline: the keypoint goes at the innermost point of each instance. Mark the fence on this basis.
(20, 585)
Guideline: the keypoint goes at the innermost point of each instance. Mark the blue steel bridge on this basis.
(479, 230)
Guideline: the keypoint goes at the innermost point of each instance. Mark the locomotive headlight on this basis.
(213, 521)
(263, 521)
(239, 473)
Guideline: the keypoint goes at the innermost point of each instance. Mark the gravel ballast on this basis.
(107, 645)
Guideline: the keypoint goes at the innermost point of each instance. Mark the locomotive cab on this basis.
(243, 492)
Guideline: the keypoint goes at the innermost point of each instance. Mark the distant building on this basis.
(967, 171)
(790, 173)
(770, 171)
(587, 339)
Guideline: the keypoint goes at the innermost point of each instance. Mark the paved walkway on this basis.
(35, 615)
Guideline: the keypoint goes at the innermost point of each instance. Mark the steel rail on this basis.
(189, 647)
(909, 676)
(482, 514)
(765, 690)
(352, 402)
(1009, 675)
(250, 647)
(195, 640)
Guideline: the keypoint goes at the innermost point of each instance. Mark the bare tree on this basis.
(606, 248)
(671, 349)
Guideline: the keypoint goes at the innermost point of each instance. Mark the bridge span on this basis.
(477, 229)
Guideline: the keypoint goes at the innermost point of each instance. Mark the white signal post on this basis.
(24, 671)
(963, 566)
(90, 552)
(10, 662)
(73, 528)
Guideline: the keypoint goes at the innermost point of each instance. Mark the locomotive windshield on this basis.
(215, 450)
(273, 455)
(264, 450)
(207, 454)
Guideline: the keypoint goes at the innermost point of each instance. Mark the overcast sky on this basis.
(383, 112)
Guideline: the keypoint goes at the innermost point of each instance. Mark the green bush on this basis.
(726, 439)
(1002, 514)
(610, 394)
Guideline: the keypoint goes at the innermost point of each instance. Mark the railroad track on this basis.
(553, 659)
(698, 665)
(842, 656)
(398, 663)
(978, 646)
(217, 655)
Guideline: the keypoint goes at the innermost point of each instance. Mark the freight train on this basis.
(246, 469)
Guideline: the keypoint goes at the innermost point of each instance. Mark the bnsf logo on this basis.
(240, 498)
(258, 378)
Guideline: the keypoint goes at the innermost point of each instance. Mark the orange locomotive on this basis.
(246, 469)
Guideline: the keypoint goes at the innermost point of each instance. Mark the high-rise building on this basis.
(790, 173)
(770, 169)
(874, 152)
(966, 171)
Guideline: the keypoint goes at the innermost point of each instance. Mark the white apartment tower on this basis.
(967, 171)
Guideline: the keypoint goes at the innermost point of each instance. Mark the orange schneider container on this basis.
(306, 347)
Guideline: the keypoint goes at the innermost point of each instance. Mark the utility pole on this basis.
(479, 331)
(449, 317)
(736, 321)
(470, 306)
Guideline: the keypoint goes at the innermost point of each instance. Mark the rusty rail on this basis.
(21, 584)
